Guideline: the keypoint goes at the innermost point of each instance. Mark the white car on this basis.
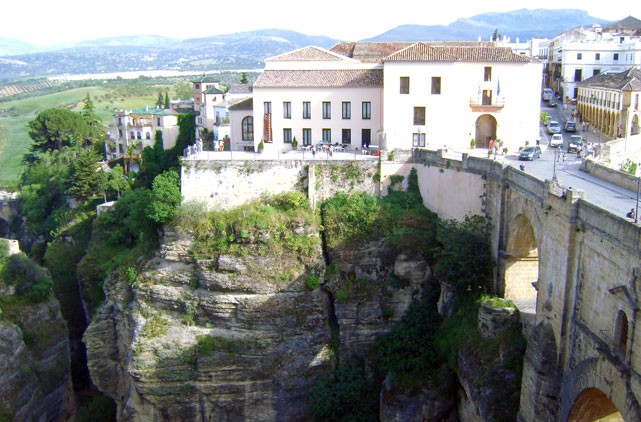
(554, 127)
(556, 141)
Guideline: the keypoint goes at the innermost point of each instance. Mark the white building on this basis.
(583, 52)
(314, 94)
(393, 95)
(137, 129)
(446, 94)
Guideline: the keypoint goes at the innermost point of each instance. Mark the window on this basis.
(139, 135)
(248, 129)
(347, 110)
(147, 135)
(596, 71)
(487, 97)
(327, 110)
(597, 56)
(418, 139)
(287, 110)
(307, 110)
(119, 133)
(267, 106)
(405, 84)
(133, 135)
(419, 115)
(197, 86)
(436, 85)
(616, 56)
(287, 136)
(327, 135)
(621, 334)
(307, 136)
(579, 56)
(487, 74)
(367, 110)
(158, 121)
(346, 136)
(577, 75)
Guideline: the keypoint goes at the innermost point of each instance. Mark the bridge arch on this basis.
(595, 390)
(592, 405)
(521, 261)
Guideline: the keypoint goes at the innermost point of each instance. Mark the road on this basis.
(599, 192)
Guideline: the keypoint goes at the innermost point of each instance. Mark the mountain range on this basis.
(247, 50)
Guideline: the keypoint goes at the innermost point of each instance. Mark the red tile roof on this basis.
(320, 78)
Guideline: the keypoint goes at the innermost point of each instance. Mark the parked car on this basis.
(575, 143)
(556, 141)
(552, 103)
(570, 126)
(554, 127)
(530, 153)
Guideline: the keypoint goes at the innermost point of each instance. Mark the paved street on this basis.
(601, 193)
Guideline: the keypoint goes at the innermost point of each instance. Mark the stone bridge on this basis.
(572, 268)
(575, 265)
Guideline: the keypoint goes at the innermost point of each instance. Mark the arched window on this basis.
(248, 128)
(634, 130)
(621, 334)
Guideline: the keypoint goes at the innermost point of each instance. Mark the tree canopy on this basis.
(55, 128)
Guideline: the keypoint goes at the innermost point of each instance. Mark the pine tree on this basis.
(167, 103)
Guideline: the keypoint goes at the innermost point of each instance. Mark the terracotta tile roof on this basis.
(630, 80)
(307, 54)
(240, 89)
(244, 104)
(457, 52)
(369, 51)
(320, 78)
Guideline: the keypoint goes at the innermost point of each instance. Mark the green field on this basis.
(16, 115)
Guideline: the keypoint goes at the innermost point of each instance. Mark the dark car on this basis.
(530, 153)
(570, 126)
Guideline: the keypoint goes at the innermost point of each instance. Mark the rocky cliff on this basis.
(35, 381)
(238, 336)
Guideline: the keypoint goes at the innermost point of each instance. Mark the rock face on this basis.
(219, 339)
(239, 337)
(35, 381)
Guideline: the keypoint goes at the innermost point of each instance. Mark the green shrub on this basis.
(345, 394)
(313, 282)
(30, 279)
(100, 409)
(408, 351)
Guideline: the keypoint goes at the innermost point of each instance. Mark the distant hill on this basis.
(247, 50)
(524, 24)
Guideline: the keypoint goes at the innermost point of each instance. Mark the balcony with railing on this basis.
(487, 103)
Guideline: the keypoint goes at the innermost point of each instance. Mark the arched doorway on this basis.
(485, 130)
(593, 405)
(521, 263)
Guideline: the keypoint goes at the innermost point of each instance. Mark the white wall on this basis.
(449, 118)
(316, 96)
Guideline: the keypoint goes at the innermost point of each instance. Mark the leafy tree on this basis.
(184, 90)
(117, 181)
(154, 162)
(243, 78)
(464, 257)
(55, 128)
(42, 194)
(165, 197)
(87, 177)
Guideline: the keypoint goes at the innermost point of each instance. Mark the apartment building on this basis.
(583, 52)
(137, 129)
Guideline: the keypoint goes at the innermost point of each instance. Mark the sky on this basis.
(51, 22)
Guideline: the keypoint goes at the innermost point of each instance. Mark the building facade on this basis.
(583, 52)
(610, 103)
(446, 94)
(133, 130)
(394, 95)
